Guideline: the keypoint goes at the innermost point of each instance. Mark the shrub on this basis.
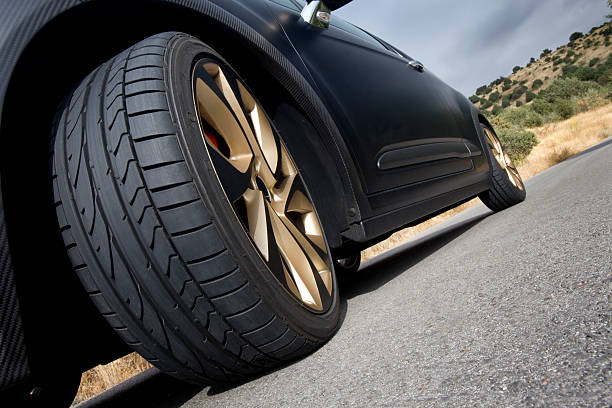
(564, 108)
(566, 88)
(486, 104)
(545, 52)
(522, 117)
(542, 107)
(516, 69)
(519, 104)
(497, 109)
(530, 97)
(547, 59)
(518, 92)
(483, 90)
(569, 70)
(474, 99)
(506, 87)
(537, 84)
(586, 74)
(507, 81)
(516, 141)
(497, 82)
(593, 62)
(506, 101)
(494, 97)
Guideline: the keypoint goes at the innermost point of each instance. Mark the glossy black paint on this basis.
(342, 99)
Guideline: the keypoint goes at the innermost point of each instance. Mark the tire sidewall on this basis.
(182, 54)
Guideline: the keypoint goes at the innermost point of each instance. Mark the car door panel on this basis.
(380, 102)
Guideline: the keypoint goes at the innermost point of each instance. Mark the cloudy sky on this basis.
(471, 42)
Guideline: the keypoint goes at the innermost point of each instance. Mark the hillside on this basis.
(591, 50)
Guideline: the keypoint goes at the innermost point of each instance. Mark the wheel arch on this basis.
(36, 84)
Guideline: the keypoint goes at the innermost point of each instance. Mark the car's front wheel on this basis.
(186, 218)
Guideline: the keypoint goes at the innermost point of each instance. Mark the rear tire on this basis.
(151, 234)
(507, 188)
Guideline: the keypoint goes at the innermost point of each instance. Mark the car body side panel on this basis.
(382, 104)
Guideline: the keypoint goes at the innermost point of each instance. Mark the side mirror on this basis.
(317, 14)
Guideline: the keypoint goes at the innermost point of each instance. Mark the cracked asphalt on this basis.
(507, 309)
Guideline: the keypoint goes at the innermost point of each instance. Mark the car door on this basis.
(402, 125)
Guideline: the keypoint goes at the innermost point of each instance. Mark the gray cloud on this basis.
(469, 43)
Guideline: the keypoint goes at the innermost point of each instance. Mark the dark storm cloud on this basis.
(469, 43)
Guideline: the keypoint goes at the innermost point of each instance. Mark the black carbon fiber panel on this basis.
(13, 360)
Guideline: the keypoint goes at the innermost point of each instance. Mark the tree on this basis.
(516, 69)
(546, 52)
(518, 92)
(505, 101)
(530, 97)
(537, 84)
(575, 36)
(483, 90)
(494, 97)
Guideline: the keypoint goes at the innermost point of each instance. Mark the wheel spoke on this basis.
(263, 130)
(257, 220)
(300, 204)
(216, 114)
(259, 133)
(297, 263)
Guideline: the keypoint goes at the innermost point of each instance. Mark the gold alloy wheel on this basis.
(263, 185)
(503, 159)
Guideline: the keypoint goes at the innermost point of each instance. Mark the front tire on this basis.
(142, 192)
(507, 188)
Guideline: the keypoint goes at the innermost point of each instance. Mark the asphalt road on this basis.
(508, 309)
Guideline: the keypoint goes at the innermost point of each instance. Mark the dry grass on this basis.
(558, 141)
(561, 140)
(103, 377)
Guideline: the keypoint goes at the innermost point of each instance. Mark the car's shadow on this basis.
(154, 389)
(385, 267)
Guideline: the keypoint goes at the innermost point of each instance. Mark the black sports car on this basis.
(200, 171)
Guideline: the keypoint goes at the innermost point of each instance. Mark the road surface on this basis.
(507, 309)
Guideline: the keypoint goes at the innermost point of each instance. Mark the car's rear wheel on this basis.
(507, 188)
(186, 218)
